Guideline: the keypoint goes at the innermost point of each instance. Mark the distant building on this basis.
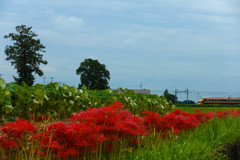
(143, 91)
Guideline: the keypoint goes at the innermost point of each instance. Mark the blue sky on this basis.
(163, 44)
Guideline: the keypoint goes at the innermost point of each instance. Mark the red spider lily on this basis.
(196, 111)
(174, 121)
(96, 125)
(112, 120)
(37, 151)
(40, 118)
(31, 117)
(54, 145)
(5, 143)
(69, 153)
(18, 128)
(101, 126)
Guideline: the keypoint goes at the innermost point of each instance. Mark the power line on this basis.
(215, 91)
(197, 92)
(185, 91)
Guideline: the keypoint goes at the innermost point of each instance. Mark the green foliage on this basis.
(2, 84)
(170, 97)
(93, 75)
(61, 102)
(24, 54)
(186, 102)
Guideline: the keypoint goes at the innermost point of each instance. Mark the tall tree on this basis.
(93, 75)
(24, 54)
(170, 97)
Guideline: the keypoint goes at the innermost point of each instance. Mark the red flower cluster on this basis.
(88, 129)
(174, 121)
(112, 121)
(177, 120)
(17, 129)
(41, 118)
(13, 133)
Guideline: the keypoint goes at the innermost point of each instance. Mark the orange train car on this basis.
(219, 101)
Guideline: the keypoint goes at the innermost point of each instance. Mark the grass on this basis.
(205, 142)
(203, 108)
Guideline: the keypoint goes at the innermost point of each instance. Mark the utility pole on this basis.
(44, 80)
(177, 91)
(176, 95)
(141, 86)
(51, 79)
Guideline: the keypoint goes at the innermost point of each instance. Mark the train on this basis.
(205, 100)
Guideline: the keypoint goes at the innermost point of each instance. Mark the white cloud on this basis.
(213, 6)
(133, 39)
(211, 18)
(68, 23)
(49, 69)
(49, 35)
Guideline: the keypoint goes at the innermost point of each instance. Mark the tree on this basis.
(93, 75)
(188, 102)
(170, 97)
(24, 54)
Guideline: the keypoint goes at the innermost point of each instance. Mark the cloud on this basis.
(224, 19)
(68, 23)
(212, 6)
(133, 39)
(49, 35)
(49, 69)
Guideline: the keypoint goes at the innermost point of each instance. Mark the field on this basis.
(114, 133)
(207, 108)
(66, 123)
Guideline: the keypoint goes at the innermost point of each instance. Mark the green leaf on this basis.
(35, 101)
(7, 93)
(71, 102)
(65, 87)
(53, 112)
(101, 95)
(8, 108)
(2, 83)
(39, 95)
(9, 119)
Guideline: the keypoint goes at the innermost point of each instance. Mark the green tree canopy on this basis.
(188, 102)
(170, 97)
(93, 75)
(24, 54)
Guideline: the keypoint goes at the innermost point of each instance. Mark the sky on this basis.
(161, 44)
